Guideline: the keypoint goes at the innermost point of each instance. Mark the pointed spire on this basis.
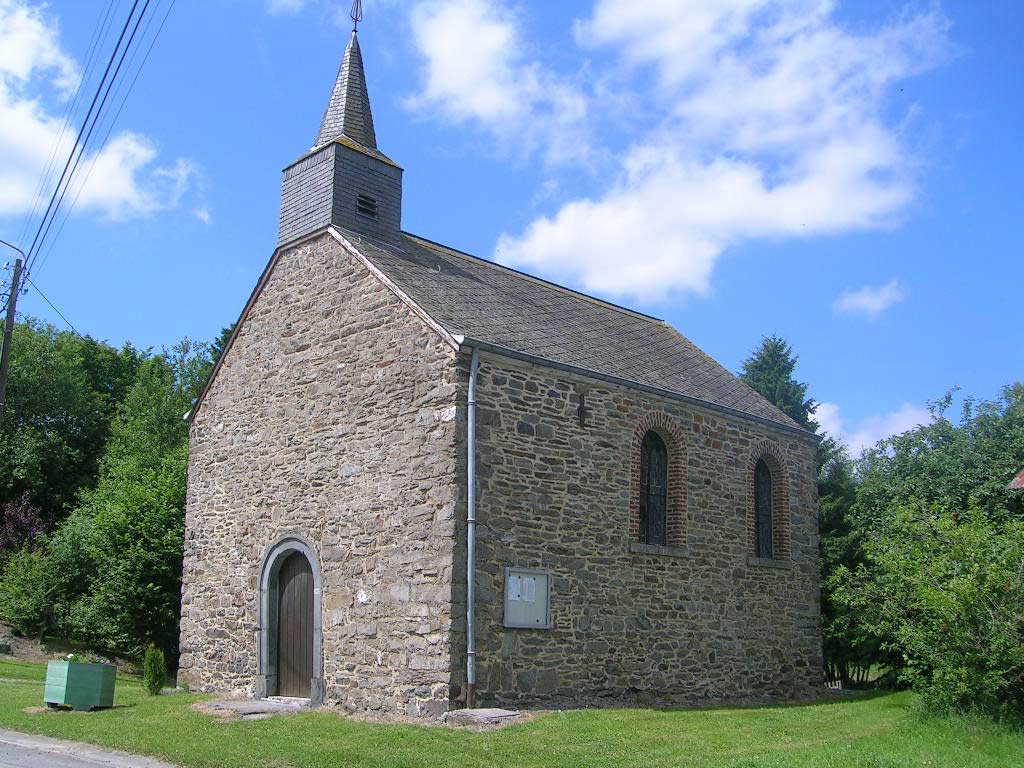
(348, 112)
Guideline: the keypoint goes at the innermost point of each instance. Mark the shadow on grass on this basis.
(827, 699)
(48, 710)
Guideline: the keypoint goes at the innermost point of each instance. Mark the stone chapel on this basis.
(419, 481)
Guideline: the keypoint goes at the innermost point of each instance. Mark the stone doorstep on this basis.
(291, 702)
(483, 716)
(256, 709)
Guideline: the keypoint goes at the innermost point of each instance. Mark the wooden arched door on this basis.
(295, 627)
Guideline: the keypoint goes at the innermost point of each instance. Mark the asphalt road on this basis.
(23, 751)
(23, 757)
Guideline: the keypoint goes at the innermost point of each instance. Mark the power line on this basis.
(79, 145)
(52, 305)
(99, 35)
(96, 120)
(110, 127)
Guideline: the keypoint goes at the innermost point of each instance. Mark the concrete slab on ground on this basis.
(253, 709)
(482, 716)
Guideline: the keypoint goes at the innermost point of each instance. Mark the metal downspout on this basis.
(471, 532)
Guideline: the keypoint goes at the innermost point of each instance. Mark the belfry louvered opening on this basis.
(366, 205)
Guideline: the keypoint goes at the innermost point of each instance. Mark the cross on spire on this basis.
(356, 14)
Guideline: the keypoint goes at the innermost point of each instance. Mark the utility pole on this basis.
(12, 305)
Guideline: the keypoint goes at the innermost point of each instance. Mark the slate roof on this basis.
(348, 111)
(490, 303)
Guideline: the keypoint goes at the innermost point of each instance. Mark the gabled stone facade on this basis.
(333, 420)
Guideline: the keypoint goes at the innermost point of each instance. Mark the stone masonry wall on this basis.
(333, 417)
(699, 621)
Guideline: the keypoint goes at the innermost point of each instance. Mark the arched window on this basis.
(653, 489)
(763, 544)
(657, 479)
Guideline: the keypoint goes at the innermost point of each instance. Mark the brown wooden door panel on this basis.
(295, 627)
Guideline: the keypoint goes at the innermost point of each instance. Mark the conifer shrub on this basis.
(154, 670)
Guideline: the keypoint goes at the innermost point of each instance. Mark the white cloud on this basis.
(35, 77)
(477, 70)
(203, 214)
(29, 44)
(281, 7)
(121, 185)
(869, 431)
(769, 120)
(870, 300)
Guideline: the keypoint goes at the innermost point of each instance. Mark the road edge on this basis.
(80, 751)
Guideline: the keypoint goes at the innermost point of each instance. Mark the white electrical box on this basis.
(527, 598)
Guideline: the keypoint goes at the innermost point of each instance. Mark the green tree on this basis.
(850, 650)
(946, 594)
(154, 670)
(109, 576)
(218, 345)
(25, 592)
(62, 397)
(770, 371)
(932, 534)
(950, 466)
(136, 511)
(849, 653)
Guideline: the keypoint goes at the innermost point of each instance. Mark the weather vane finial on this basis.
(356, 13)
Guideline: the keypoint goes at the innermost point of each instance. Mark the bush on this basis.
(948, 593)
(25, 593)
(154, 671)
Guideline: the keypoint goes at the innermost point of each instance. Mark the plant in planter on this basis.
(80, 683)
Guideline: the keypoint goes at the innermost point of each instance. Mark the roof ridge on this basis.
(535, 279)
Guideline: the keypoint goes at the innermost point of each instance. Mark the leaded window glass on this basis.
(653, 489)
(763, 509)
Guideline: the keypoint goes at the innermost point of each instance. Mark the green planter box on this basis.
(80, 686)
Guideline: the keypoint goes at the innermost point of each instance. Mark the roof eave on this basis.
(352, 144)
(469, 343)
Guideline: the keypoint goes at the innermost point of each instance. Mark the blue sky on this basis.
(846, 175)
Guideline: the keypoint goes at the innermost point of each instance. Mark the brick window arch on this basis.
(658, 498)
(768, 504)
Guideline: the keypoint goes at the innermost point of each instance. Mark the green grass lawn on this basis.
(877, 732)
